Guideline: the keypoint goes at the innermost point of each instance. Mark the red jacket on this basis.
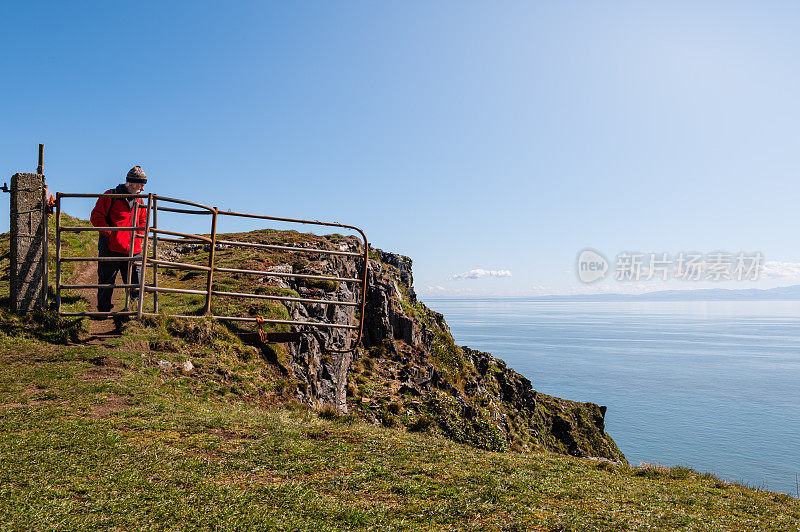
(114, 212)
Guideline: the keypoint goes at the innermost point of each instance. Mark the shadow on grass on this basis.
(44, 325)
(252, 338)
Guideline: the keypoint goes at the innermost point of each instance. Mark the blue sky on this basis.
(498, 137)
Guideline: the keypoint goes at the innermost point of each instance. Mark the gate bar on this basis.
(96, 259)
(247, 295)
(282, 274)
(179, 265)
(174, 290)
(183, 211)
(287, 248)
(110, 229)
(281, 322)
(211, 249)
(85, 286)
(143, 273)
(129, 270)
(58, 252)
(185, 235)
(286, 298)
(99, 314)
(177, 240)
(155, 254)
(115, 196)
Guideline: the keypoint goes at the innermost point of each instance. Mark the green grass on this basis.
(99, 436)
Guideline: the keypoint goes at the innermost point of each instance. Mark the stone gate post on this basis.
(28, 242)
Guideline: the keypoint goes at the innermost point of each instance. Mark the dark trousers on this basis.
(107, 274)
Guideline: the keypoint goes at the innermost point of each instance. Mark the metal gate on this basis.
(151, 235)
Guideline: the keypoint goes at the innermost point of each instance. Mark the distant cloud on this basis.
(433, 289)
(478, 273)
(436, 290)
(774, 269)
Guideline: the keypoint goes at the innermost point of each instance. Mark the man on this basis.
(118, 212)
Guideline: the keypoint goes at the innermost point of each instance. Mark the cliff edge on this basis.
(408, 371)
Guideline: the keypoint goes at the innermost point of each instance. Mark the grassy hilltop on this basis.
(121, 433)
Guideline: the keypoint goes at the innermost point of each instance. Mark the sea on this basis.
(710, 385)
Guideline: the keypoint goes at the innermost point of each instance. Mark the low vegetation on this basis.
(180, 424)
(121, 436)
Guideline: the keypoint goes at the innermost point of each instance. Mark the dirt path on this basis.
(86, 273)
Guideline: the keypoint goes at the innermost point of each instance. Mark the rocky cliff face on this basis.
(408, 371)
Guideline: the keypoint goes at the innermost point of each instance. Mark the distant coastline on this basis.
(784, 293)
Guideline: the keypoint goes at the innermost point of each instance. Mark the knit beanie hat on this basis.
(137, 175)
